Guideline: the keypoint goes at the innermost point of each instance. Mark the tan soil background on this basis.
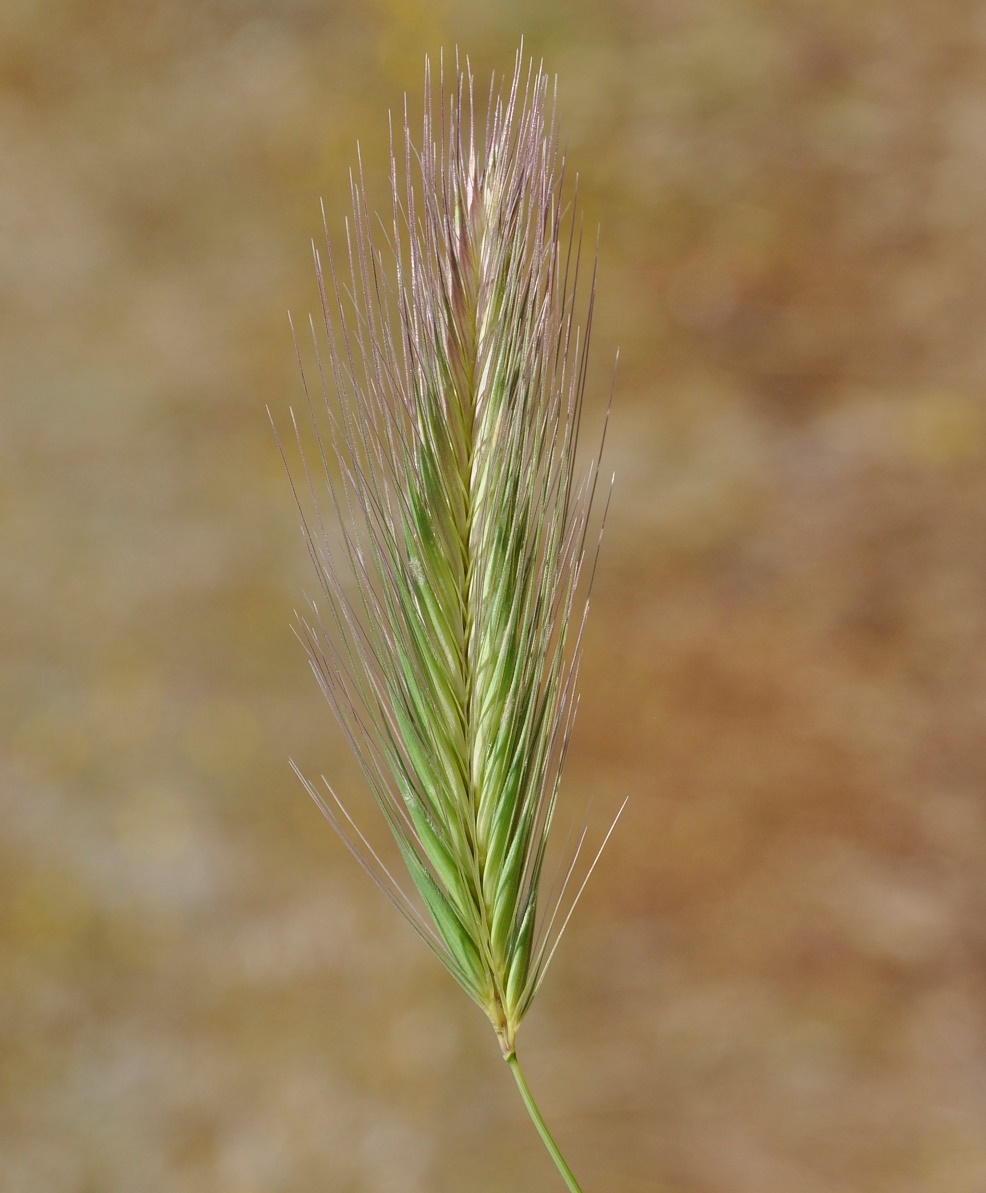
(777, 980)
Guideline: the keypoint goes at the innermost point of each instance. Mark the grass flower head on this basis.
(447, 414)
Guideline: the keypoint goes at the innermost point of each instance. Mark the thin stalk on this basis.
(542, 1127)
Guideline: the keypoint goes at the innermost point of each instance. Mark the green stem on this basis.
(542, 1128)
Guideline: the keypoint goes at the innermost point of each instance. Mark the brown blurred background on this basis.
(776, 981)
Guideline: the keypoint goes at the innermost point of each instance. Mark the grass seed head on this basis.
(446, 417)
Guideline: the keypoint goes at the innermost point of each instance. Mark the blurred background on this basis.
(777, 979)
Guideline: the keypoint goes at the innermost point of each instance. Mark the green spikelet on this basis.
(447, 640)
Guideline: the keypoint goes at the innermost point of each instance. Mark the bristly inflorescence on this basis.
(447, 641)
